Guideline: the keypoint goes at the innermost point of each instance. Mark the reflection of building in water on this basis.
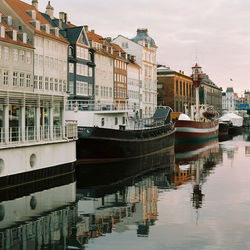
(114, 212)
(40, 221)
(230, 149)
(182, 174)
(196, 166)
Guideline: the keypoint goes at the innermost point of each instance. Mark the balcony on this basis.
(17, 135)
(85, 105)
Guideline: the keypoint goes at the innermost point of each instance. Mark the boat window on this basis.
(116, 120)
(102, 121)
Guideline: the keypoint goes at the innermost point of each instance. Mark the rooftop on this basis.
(142, 35)
(21, 9)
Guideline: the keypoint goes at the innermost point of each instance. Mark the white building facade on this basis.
(228, 100)
(104, 68)
(144, 49)
(134, 84)
(33, 93)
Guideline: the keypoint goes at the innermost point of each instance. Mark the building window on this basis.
(56, 84)
(51, 84)
(5, 77)
(64, 86)
(110, 92)
(96, 90)
(40, 82)
(46, 83)
(71, 87)
(35, 82)
(15, 55)
(90, 90)
(103, 121)
(28, 58)
(15, 74)
(82, 88)
(90, 71)
(28, 79)
(123, 120)
(60, 85)
(116, 120)
(6, 53)
(177, 108)
(71, 68)
(21, 79)
(177, 87)
(21, 54)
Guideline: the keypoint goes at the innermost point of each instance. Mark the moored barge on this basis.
(107, 133)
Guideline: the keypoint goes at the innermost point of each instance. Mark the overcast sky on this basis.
(217, 32)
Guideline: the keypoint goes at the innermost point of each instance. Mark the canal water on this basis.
(197, 198)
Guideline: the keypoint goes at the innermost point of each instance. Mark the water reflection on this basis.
(127, 201)
(42, 220)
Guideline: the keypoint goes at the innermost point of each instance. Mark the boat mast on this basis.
(197, 77)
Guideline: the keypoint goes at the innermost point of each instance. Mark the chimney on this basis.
(35, 3)
(142, 31)
(63, 16)
(86, 27)
(108, 39)
(93, 31)
(50, 10)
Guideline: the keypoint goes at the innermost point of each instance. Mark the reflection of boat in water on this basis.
(116, 174)
(246, 134)
(191, 153)
(123, 201)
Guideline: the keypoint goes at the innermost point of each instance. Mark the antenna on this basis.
(196, 57)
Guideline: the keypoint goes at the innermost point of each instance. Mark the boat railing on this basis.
(15, 134)
(30, 133)
(45, 133)
(86, 105)
(145, 123)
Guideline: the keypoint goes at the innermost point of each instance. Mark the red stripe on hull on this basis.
(195, 124)
(181, 135)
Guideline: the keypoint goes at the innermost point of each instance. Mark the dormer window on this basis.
(23, 37)
(2, 31)
(8, 20)
(32, 14)
(46, 28)
(55, 31)
(35, 24)
(12, 34)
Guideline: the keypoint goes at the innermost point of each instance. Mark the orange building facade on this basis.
(175, 89)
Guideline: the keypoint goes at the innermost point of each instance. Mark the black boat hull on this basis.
(102, 145)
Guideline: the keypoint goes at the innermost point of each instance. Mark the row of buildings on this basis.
(232, 101)
(50, 57)
(46, 60)
(176, 89)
